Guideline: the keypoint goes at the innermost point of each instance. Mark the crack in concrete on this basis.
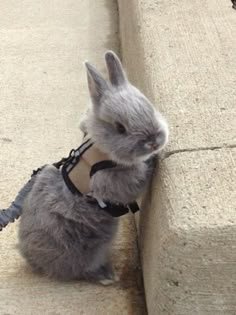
(168, 154)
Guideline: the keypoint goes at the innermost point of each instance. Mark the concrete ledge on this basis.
(188, 235)
(180, 55)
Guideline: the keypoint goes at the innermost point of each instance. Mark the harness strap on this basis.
(119, 210)
(80, 166)
(101, 166)
(116, 210)
(134, 207)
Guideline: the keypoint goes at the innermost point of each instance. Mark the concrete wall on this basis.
(182, 55)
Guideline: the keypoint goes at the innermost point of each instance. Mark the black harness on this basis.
(66, 165)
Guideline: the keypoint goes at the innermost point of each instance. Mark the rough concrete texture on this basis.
(188, 235)
(181, 53)
(43, 93)
(186, 53)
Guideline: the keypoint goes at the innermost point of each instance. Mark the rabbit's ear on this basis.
(116, 73)
(96, 84)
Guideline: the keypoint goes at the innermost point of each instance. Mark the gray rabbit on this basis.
(63, 234)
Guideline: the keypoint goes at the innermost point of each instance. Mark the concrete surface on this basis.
(181, 54)
(185, 51)
(43, 93)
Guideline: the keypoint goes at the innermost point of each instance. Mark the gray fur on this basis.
(63, 235)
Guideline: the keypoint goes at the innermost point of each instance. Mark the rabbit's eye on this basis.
(120, 128)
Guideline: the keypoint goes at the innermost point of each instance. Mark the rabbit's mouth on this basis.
(132, 157)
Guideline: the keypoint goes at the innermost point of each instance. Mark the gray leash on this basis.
(15, 210)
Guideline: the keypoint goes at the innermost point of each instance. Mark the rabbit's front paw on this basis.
(105, 275)
(110, 280)
(107, 281)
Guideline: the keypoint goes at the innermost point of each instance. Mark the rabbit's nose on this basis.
(152, 146)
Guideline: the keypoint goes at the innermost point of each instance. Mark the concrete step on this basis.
(182, 55)
(43, 93)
